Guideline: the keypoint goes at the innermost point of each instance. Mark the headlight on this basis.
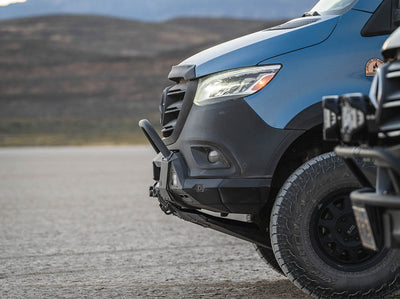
(234, 84)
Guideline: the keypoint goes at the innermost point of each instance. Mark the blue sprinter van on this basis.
(242, 117)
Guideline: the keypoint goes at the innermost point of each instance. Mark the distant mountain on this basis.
(159, 10)
(89, 79)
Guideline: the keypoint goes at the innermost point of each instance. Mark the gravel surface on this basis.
(78, 222)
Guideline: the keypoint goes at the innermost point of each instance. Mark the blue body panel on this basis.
(253, 48)
(336, 66)
(325, 57)
(367, 5)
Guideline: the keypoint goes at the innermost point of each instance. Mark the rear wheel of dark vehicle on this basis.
(315, 238)
(266, 254)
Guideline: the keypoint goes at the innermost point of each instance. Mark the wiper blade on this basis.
(311, 14)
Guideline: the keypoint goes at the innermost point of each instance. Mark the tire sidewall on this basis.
(300, 196)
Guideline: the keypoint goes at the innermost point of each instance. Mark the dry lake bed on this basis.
(78, 222)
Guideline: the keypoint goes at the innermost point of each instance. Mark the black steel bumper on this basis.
(249, 151)
(377, 212)
(239, 181)
(223, 195)
(182, 196)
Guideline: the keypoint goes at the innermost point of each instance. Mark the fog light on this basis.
(213, 156)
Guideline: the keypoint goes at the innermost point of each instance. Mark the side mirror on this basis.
(384, 20)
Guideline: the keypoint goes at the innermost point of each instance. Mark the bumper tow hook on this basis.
(153, 191)
(165, 207)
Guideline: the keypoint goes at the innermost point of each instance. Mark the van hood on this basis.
(251, 49)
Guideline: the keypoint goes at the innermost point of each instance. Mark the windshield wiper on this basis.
(311, 14)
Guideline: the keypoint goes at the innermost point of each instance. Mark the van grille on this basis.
(388, 97)
(176, 101)
(171, 106)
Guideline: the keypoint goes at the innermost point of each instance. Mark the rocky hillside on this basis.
(158, 10)
(71, 75)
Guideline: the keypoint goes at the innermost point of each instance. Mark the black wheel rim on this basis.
(335, 237)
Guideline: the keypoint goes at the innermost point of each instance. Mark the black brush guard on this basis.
(383, 209)
(170, 203)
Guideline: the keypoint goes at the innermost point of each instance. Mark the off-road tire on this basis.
(268, 256)
(294, 246)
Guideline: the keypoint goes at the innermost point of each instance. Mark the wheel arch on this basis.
(303, 148)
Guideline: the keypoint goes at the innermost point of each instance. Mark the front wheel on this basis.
(315, 238)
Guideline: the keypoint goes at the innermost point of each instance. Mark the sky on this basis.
(158, 10)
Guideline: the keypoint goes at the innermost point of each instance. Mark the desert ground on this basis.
(78, 222)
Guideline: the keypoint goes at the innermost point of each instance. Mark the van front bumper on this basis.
(222, 195)
(182, 196)
(247, 151)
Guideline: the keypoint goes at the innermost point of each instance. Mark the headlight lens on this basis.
(234, 84)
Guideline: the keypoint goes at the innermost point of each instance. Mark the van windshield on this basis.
(333, 7)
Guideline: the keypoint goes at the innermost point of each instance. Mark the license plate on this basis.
(364, 227)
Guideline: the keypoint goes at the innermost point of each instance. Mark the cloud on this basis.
(8, 2)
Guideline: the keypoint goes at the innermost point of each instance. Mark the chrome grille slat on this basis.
(391, 104)
(394, 66)
(390, 100)
(393, 97)
(395, 74)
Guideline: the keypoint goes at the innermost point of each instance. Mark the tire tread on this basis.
(282, 244)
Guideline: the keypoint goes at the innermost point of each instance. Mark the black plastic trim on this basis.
(251, 147)
(187, 72)
(186, 106)
(307, 119)
(382, 20)
(224, 195)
